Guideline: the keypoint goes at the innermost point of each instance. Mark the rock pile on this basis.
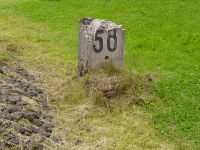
(24, 112)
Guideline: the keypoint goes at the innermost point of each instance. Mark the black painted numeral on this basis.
(112, 35)
(100, 42)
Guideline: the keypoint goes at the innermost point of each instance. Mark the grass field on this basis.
(163, 39)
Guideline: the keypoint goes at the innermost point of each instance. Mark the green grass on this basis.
(4, 56)
(163, 37)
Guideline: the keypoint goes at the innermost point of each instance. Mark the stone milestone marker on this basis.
(100, 41)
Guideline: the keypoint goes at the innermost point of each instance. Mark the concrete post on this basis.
(100, 41)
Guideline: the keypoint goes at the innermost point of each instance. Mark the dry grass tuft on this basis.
(9, 46)
(2, 63)
(108, 84)
(110, 81)
(110, 87)
(10, 49)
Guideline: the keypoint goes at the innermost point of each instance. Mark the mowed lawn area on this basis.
(163, 39)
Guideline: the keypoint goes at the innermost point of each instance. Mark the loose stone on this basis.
(24, 123)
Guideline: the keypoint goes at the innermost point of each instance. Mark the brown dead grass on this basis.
(10, 46)
(2, 62)
(110, 81)
(109, 86)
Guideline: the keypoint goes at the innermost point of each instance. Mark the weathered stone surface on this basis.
(34, 143)
(32, 129)
(25, 131)
(47, 127)
(23, 111)
(100, 41)
(10, 139)
(36, 122)
(44, 133)
(3, 70)
(13, 100)
(10, 109)
(23, 72)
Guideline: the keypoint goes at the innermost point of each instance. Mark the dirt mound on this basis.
(108, 84)
(110, 81)
(110, 87)
(24, 112)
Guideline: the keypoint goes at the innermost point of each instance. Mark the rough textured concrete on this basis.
(100, 41)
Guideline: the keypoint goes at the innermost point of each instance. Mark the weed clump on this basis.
(109, 83)
(110, 87)
(2, 62)
(12, 48)
(7, 49)
(108, 80)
